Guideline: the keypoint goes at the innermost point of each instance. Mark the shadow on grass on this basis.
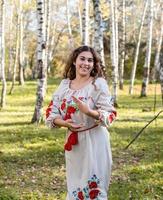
(15, 124)
(33, 163)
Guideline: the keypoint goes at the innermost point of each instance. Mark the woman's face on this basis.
(84, 63)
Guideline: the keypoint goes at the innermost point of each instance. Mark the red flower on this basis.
(71, 109)
(92, 185)
(48, 110)
(63, 105)
(93, 194)
(67, 116)
(80, 195)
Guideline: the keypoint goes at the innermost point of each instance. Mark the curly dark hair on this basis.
(70, 70)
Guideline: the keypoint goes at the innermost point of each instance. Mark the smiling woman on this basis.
(82, 104)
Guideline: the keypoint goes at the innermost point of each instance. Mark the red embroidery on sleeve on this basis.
(112, 116)
(48, 110)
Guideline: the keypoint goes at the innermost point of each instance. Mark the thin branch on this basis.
(137, 135)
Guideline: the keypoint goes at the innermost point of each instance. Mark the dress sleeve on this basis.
(53, 111)
(104, 104)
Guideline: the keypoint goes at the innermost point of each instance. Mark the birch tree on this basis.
(10, 63)
(71, 42)
(41, 44)
(21, 50)
(16, 55)
(85, 23)
(98, 30)
(2, 53)
(114, 51)
(148, 53)
(161, 69)
(133, 71)
(80, 20)
(122, 45)
(47, 31)
(156, 62)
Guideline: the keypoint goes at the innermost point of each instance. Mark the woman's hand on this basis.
(69, 123)
(83, 107)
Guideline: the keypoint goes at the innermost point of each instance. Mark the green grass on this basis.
(32, 165)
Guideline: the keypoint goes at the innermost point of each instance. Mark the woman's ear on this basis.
(74, 63)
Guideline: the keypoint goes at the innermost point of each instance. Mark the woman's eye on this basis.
(90, 60)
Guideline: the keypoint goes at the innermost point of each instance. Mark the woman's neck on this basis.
(81, 79)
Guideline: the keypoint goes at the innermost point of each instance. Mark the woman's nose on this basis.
(86, 62)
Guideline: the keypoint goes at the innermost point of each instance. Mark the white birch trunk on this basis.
(133, 71)
(2, 53)
(114, 52)
(122, 52)
(116, 31)
(156, 62)
(41, 45)
(80, 19)
(10, 63)
(71, 41)
(16, 56)
(161, 70)
(48, 21)
(21, 50)
(148, 53)
(98, 30)
(85, 23)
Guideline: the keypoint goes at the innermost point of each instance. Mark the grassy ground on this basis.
(32, 157)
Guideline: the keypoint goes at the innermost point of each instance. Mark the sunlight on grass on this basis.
(32, 165)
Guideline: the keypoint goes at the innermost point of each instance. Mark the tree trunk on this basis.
(80, 20)
(16, 56)
(71, 41)
(133, 71)
(98, 30)
(85, 23)
(122, 45)
(41, 45)
(155, 69)
(116, 32)
(161, 70)
(47, 35)
(113, 50)
(21, 50)
(2, 53)
(148, 53)
(11, 53)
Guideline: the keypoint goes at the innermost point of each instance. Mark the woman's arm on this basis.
(66, 123)
(105, 112)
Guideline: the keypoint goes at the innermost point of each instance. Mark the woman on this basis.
(82, 103)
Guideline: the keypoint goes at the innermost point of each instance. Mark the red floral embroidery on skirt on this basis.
(93, 194)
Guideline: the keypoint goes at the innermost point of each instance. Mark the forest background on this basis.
(36, 38)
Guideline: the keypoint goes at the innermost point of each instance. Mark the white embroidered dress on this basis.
(88, 163)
